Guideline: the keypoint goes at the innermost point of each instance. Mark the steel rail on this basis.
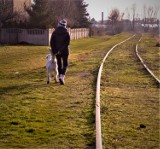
(98, 115)
(145, 66)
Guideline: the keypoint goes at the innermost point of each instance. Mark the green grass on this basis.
(129, 100)
(37, 115)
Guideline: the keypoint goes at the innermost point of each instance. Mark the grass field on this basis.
(37, 115)
(130, 98)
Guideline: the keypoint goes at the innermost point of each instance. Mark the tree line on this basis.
(131, 20)
(46, 14)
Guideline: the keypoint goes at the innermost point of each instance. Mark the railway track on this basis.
(130, 48)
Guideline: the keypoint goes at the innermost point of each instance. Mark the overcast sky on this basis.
(96, 7)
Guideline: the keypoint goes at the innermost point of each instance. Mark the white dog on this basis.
(52, 67)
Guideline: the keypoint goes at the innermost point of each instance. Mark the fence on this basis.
(36, 36)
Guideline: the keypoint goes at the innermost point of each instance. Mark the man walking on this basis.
(59, 42)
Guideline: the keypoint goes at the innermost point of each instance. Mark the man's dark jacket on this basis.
(60, 41)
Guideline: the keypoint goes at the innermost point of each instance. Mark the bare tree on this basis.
(144, 16)
(128, 16)
(116, 19)
(156, 15)
(133, 16)
(150, 17)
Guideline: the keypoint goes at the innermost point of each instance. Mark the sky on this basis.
(96, 7)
